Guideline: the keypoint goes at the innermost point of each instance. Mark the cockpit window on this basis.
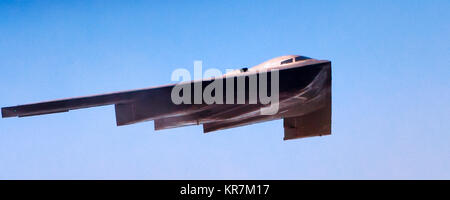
(299, 58)
(287, 61)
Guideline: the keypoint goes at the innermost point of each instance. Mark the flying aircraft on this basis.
(301, 84)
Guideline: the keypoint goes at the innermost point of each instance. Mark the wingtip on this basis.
(8, 112)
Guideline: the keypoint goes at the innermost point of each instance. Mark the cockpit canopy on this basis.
(296, 59)
(272, 63)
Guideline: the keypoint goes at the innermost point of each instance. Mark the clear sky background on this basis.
(391, 87)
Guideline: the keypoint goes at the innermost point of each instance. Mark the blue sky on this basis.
(391, 87)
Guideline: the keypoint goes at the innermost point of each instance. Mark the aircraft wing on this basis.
(303, 90)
